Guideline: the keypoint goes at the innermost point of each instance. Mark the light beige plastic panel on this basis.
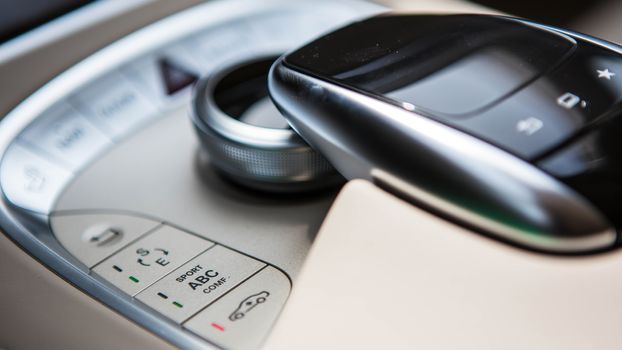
(383, 274)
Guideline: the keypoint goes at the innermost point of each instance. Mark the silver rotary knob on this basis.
(246, 137)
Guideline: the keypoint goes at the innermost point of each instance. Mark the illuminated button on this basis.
(243, 317)
(115, 104)
(93, 237)
(150, 258)
(199, 282)
(67, 136)
(31, 181)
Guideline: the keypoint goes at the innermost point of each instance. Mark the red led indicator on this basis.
(219, 327)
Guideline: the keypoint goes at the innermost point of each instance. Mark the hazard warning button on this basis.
(175, 77)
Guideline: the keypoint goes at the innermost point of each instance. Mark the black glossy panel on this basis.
(594, 75)
(553, 108)
(446, 64)
(527, 124)
(592, 166)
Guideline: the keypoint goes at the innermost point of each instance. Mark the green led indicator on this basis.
(177, 304)
(134, 279)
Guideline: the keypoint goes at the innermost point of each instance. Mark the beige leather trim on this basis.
(384, 274)
(39, 310)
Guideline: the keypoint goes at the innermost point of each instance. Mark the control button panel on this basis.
(588, 85)
(73, 120)
(242, 318)
(150, 258)
(67, 136)
(93, 237)
(528, 123)
(115, 104)
(218, 293)
(199, 282)
(31, 181)
(555, 107)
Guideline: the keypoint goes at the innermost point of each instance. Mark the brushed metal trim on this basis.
(268, 159)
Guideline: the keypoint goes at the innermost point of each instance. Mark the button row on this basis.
(199, 282)
(213, 291)
(145, 261)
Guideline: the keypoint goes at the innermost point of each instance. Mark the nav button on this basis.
(244, 317)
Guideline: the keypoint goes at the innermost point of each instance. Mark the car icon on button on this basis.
(248, 304)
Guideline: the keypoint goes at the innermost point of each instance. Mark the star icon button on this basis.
(605, 73)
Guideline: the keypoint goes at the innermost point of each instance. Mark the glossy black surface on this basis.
(592, 165)
(445, 64)
(442, 169)
(525, 89)
(555, 107)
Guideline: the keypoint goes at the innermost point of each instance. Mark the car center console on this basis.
(100, 181)
(104, 182)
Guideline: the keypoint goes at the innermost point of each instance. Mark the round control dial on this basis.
(246, 137)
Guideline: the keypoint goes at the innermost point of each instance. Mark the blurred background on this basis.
(596, 17)
(49, 46)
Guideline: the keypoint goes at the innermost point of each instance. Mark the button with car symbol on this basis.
(243, 317)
